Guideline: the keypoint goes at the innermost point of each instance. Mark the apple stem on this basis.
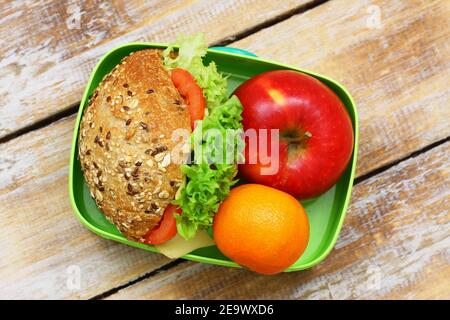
(299, 140)
(294, 140)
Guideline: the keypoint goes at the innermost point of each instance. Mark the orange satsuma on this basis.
(261, 228)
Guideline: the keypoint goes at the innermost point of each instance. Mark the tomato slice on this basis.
(167, 228)
(192, 93)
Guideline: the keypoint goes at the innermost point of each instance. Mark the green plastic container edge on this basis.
(189, 256)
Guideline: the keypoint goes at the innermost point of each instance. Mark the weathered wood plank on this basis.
(395, 243)
(49, 48)
(33, 178)
(43, 244)
(396, 70)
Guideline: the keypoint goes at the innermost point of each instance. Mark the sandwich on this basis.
(149, 143)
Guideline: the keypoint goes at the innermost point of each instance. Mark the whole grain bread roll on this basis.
(125, 143)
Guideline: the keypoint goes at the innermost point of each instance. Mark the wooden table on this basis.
(393, 56)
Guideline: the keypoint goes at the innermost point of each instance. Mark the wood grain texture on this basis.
(42, 242)
(395, 243)
(49, 48)
(397, 71)
(395, 121)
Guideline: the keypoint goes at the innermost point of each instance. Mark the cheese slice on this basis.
(178, 246)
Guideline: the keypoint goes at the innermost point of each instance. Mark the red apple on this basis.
(315, 131)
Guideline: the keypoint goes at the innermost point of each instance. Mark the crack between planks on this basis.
(269, 23)
(389, 165)
(163, 268)
(72, 109)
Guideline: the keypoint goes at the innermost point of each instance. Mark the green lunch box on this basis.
(326, 213)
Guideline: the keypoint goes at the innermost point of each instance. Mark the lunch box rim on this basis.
(237, 53)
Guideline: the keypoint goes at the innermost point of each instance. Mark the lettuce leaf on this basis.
(216, 141)
(209, 180)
